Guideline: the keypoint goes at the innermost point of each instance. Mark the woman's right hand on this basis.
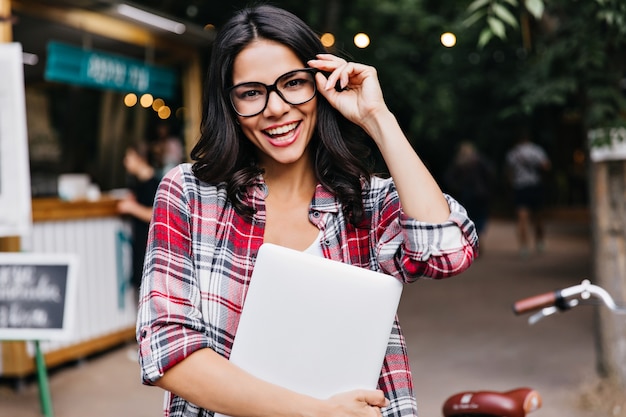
(358, 403)
(212, 382)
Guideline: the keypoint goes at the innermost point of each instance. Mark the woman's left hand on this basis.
(360, 96)
(360, 100)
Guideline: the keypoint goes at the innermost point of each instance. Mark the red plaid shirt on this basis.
(201, 253)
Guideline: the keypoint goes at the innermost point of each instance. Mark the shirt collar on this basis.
(323, 199)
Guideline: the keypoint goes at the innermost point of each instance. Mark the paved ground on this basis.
(461, 335)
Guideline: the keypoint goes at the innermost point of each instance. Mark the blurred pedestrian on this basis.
(144, 182)
(168, 149)
(469, 179)
(527, 163)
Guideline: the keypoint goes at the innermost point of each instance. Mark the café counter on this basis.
(105, 305)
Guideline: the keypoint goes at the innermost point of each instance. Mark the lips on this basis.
(283, 136)
(281, 131)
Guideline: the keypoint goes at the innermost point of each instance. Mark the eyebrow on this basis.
(275, 79)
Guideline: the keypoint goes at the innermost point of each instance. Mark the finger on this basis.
(345, 74)
(375, 398)
(330, 94)
(333, 67)
(327, 62)
(330, 58)
(333, 78)
(322, 82)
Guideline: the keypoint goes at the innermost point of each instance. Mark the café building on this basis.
(98, 76)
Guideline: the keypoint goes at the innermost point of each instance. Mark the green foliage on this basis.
(497, 15)
(515, 61)
(535, 8)
(575, 58)
(440, 95)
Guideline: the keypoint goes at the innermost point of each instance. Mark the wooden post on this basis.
(192, 96)
(608, 185)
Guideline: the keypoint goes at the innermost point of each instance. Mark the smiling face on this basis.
(281, 132)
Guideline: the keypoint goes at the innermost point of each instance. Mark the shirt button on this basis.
(316, 214)
(327, 242)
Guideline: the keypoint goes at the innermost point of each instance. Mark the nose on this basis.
(276, 105)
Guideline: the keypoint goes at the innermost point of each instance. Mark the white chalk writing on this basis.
(20, 283)
(15, 316)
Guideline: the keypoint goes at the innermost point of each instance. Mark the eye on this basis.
(296, 81)
(249, 92)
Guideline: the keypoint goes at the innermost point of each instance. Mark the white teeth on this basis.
(281, 130)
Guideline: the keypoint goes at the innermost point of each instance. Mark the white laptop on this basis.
(313, 325)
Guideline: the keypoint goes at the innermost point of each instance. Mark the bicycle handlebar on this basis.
(536, 302)
(564, 299)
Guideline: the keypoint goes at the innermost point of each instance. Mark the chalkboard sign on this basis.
(37, 295)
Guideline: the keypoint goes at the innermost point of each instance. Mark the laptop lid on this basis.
(314, 325)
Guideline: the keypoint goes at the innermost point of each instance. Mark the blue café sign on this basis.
(74, 65)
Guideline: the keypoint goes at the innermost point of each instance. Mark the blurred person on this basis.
(283, 159)
(469, 179)
(144, 182)
(527, 163)
(168, 149)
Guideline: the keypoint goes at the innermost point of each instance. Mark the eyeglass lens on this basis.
(294, 87)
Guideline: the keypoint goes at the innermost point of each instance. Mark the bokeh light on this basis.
(157, 104)
(146, 100)
(448, 39)
(130, 99)
(164, 112)
(327, 39)
(361, 40)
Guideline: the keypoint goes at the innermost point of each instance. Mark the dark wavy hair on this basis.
(341, 154)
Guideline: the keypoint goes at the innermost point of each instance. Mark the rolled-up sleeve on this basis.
(410, 249)
(169, 325)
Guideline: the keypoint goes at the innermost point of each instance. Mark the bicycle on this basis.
(521, 401)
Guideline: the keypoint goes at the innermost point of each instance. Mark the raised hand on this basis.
(360, 97)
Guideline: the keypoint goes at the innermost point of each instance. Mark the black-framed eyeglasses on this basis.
(295, 87)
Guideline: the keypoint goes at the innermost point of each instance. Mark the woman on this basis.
(278, 162)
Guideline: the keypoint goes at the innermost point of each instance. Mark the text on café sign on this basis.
(74, 65)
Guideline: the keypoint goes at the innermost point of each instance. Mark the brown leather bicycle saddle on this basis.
(514, 403)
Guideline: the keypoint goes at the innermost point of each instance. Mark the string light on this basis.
(146, 100)
(327, 39)
(448, 39)
(157, 104)
(130, 99)
(361, 40)
(164, 112)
